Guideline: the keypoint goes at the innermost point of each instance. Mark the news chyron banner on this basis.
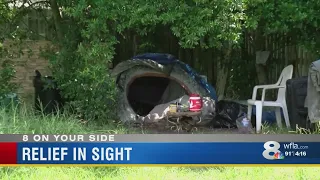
(156, 149)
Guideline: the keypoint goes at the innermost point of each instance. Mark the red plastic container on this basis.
(195, 103)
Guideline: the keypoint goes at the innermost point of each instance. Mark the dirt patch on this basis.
(162, 129)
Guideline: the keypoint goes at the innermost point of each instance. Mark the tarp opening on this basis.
(149, 90)
(148, 82)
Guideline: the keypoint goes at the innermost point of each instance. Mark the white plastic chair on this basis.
(279, 103)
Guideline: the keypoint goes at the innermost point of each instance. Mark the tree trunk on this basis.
(261, 74)
(223, 72)
(134, 44)
(210, 68)
(57, 19)
(196, 54)
(260, 68)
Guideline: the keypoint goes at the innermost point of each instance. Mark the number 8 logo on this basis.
(268, 149)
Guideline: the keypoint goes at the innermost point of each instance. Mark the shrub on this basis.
(7, 74)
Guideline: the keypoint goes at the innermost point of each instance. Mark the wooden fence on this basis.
(282, 54)
(203, 60)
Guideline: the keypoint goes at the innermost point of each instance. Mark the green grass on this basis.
(25, 121)
(169, 173)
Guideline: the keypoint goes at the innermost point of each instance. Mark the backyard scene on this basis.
(197, 66)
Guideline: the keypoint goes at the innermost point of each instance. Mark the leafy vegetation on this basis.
(86, 32)
(7, 72)
(297, 19)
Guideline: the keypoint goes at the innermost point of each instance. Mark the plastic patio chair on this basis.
(279, 103)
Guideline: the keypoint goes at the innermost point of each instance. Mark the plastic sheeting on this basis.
(168, 59)
(313, 96)
(129, 70)
(203, 82)
(159, 112)
(228, 112)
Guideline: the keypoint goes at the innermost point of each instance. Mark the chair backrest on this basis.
(285, 75)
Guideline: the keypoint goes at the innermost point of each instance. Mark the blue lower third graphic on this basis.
(165, 153)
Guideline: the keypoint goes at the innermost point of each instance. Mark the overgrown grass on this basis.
(267, 129)
(159, 173)
(25, 121)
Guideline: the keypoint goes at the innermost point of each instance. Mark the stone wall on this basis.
(27, 62)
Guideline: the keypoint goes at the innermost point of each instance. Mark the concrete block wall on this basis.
(26, 63)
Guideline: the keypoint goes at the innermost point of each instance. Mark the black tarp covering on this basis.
(227, 112)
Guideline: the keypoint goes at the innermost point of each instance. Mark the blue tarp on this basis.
(163, 59)
(167, 59)
(267, 116)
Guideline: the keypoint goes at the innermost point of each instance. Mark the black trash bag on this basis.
(227, 114)
(47, 95)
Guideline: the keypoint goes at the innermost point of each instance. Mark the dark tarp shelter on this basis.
(152, 79)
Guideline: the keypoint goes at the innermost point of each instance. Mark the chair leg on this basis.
(286, 115)
(258, 117)
(278, 117)
(249, 111)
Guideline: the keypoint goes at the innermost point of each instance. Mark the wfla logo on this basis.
(272, 147)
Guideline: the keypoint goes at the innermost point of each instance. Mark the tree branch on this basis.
(7, 2)
(38, 2)
(57, 19)
(45, 2)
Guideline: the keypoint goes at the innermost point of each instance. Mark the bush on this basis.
(242, 77)
(92, 93)
(85, 84)
(7, 73)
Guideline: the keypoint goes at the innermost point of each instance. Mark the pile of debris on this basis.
(150, 83)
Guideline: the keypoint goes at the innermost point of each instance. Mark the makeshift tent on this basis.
(152, 79)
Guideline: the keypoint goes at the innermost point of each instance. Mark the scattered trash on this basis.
(230, 110)
(173, 108)
(158, 114)
(244, 125)
(227, 114)
(182, 107)
(148, 80)
(195, 103)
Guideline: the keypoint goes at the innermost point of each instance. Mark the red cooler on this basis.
(195, 102)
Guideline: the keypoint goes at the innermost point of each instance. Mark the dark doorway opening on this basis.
(146, 92)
